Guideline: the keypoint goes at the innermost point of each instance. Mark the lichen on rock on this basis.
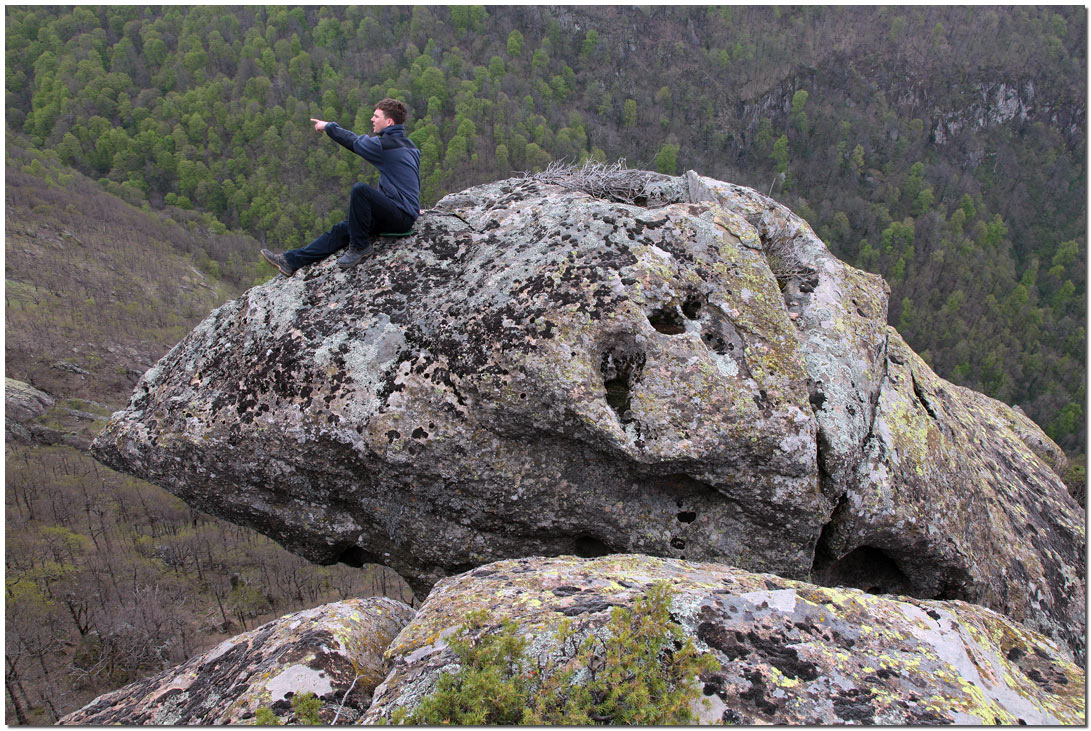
(540, 371)
(334, 651)
(789, 652)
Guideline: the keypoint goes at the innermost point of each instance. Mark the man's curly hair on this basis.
(393, 109)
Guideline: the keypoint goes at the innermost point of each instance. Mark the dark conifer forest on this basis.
(151, 151)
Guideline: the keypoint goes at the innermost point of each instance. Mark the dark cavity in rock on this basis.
(667, 320)
(691, 308)
(620, 372)
(867, 568)
(590, 547)
(354, 556)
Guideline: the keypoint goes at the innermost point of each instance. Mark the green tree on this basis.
(798, 116)
(765, 135)
(430, 83)
(666, 160)
(457, 151)
(923, 202)
(856, 161)
(301, 71)
(1067, 254)
(502, 158)
(590, 42)
(497, 69)
(468, 18)
(515, 44)
(195, 59)
(780, 154)
(539, 63)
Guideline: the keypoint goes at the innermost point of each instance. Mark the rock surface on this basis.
(790, 652)
(22, 403)
(334, 651)
(540, 371)
(950, 502)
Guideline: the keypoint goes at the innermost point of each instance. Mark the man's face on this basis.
(379, 121)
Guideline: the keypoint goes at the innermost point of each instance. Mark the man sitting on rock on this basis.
(393, 207)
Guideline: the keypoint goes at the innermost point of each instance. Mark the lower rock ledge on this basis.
(784, 652)
(788, 652)
(334, 651)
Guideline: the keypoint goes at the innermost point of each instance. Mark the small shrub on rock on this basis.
(640, 670)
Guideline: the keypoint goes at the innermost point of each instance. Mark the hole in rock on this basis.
(687, 517)
(668, 321)
(620, 372)
(691, 308)
(809, 280)
(678, 543)
(718, 345)
(953, 587)
(617, 395)
(590, 547)
(867, 568)
(353, 556)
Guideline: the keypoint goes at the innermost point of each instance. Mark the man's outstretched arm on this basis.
(366, 147)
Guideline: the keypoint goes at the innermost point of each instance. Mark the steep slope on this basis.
(96, 289)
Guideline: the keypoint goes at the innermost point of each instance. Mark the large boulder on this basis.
(334, 651)
(543, 370)
(789, 652)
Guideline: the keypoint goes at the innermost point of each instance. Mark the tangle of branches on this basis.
(610, 181)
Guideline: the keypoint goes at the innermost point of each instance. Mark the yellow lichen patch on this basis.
(782, 680)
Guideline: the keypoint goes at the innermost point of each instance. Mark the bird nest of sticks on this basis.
(613, 182)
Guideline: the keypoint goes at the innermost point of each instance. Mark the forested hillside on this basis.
(108, 578)
(941, 147)
(152, 150)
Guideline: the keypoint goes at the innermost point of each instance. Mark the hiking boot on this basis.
(354, 255)
(278, 261)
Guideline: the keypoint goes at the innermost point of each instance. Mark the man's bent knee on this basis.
(362, 190)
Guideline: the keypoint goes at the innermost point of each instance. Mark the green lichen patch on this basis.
(789, 652)
(333, 653)
(956, 498)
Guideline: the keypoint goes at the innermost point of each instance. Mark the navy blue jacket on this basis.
(396, 158)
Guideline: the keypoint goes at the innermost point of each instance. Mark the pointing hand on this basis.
(319, 125)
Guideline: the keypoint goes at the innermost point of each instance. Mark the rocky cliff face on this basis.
(543, 370)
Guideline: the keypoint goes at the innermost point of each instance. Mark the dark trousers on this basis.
(370, 213)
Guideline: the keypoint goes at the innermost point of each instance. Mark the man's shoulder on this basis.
(393, 142)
